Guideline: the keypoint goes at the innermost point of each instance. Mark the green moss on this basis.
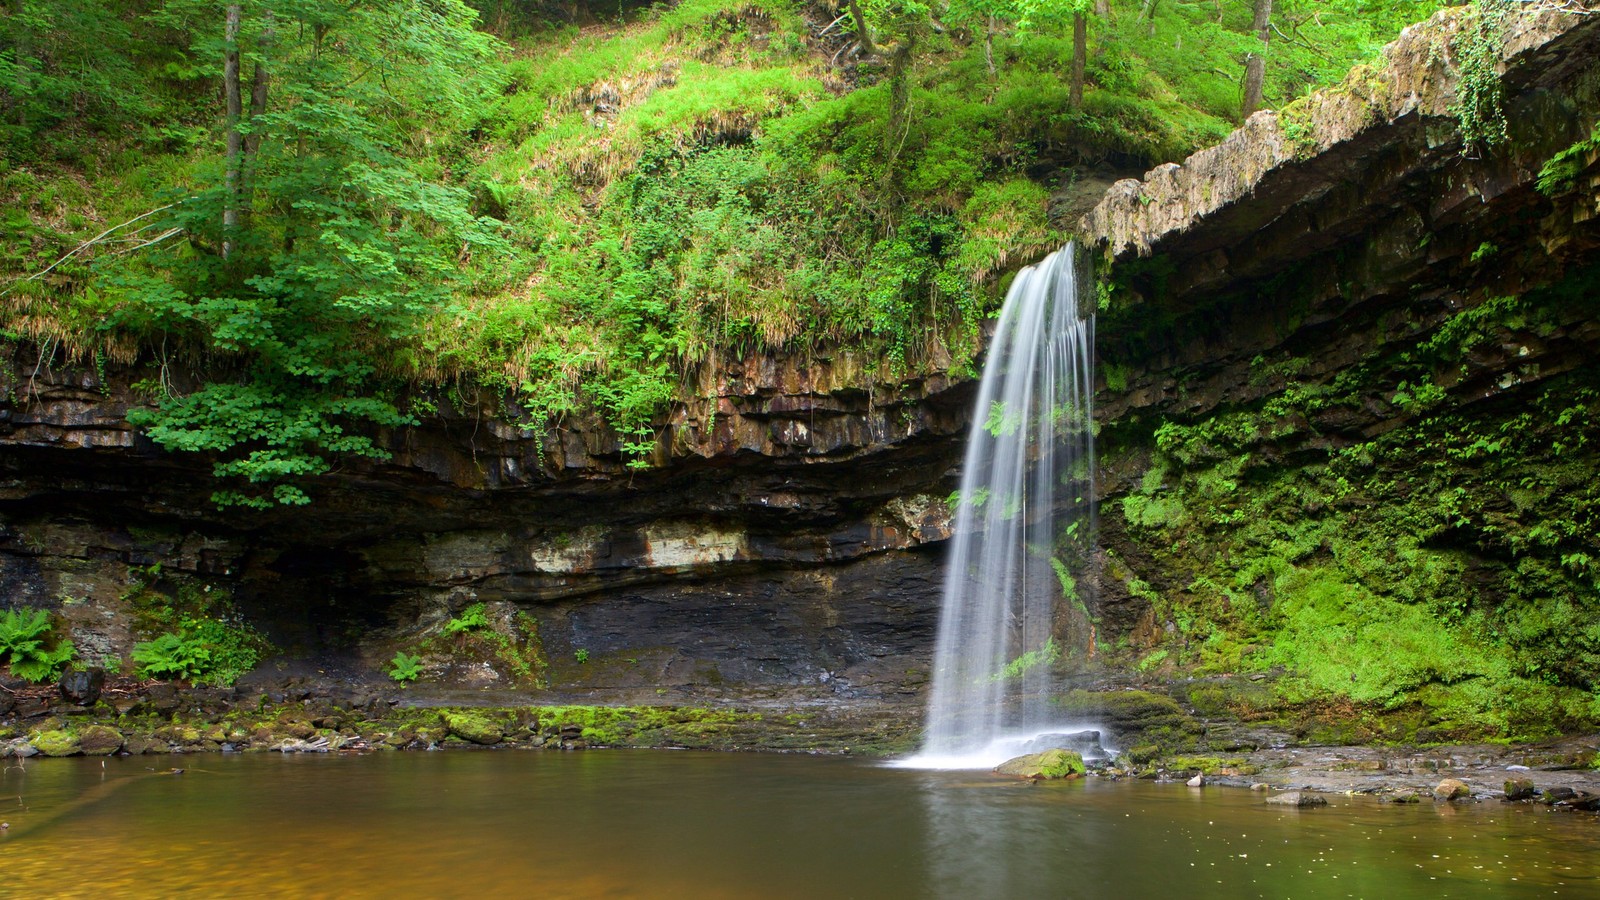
(1135, 717)
(473, 725)
(1050, 764)
(1436, 582)
(1209, 765)
(55, 742)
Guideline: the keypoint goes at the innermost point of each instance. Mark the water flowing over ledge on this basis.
(1029, 466)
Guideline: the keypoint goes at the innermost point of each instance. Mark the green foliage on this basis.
(1043, 656)
(472, 618)
(172, 656)
(1440, 576)
(1480, 97)
(587, 220)
(24, 636)
(204, 650)
(405, 667)
(1559, 174)
(581, 655)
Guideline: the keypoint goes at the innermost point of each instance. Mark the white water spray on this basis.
(1026, 484)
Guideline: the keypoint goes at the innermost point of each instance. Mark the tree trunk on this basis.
(899, 96)
(1255, 64)
(863, 32)
(230, 90)
(258, 105)
(1080, 50)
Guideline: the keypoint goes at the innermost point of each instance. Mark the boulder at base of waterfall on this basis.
(1084, 743)
(1452, 789)
(1049, 764)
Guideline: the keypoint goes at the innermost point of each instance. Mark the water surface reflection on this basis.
(657, 824)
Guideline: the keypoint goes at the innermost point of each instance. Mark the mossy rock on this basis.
(1049, 764)
(100, 740)
(473, 726)
(1136, 717)
(57, 742)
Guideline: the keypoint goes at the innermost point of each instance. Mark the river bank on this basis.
(127, 717)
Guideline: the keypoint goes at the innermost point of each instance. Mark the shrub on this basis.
(23, 636)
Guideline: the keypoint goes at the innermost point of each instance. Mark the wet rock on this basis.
(100, 740)
(163, 698)
(21, 750)
(1558, 794)
(1049, 764)
(1197, 781)
(1520, 789)
(1403, 798)
(82, 687)
(56, 742)
(1452, 789)
(1085, 743)
(473, 726)
(1261, 786)
(138, 744)
(1297, 799)
(1581, 800)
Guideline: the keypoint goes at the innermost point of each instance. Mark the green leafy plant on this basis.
(405, 667)
(472, 618)
(581, 655)
(1029, 661)
(23, 638)
(203, 649)
(172, 656)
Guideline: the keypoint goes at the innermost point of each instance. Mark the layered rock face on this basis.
(785, 541)
(778, 541)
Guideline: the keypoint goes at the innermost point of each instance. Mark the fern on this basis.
(23, 636)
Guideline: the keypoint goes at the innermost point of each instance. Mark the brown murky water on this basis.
(699, 825)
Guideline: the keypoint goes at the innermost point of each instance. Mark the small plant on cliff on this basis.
(472, 618)
(405, 667)
(23, 635)
(1029, 661)
(1480, 97)
(582, 656)
(202, 649)
(172, 656)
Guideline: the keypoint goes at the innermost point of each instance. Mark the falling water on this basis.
(1026, 495)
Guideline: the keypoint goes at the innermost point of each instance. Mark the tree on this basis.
(1256, 62)
(307, 305)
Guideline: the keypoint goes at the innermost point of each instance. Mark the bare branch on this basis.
(97, 239)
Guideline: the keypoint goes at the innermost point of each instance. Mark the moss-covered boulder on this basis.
(1049, 764)
(100, 740)
(56, 742)
(1136, 718)
(476, 727)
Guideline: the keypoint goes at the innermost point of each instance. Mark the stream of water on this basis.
(700, 825)
(1026, 498)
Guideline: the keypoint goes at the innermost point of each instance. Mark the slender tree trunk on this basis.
(1149, 10)
(258, 105)
(899, 96)
(863, 31)
(1080, 51)
(230, 89)
(1255, 64)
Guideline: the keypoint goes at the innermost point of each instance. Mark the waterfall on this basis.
(1026, 498)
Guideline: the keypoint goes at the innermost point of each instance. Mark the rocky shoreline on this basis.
(127, 717)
